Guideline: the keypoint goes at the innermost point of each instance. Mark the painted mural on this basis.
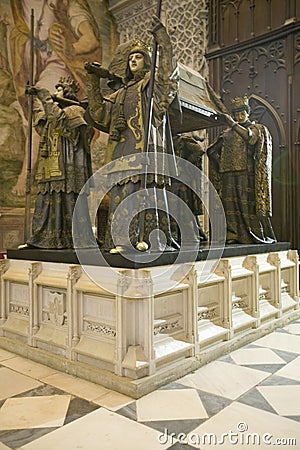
(67, 33)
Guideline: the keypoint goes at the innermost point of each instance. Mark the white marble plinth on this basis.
(133, 330)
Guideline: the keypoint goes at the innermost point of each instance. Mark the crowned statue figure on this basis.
(241, 160)
(123, 116)
(63, 167)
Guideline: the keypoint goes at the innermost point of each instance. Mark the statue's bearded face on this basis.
(136, 62)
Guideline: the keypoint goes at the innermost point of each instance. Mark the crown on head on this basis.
(137, 45)
(69, 82)
(240, 103)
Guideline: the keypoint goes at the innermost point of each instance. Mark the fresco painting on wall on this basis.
(67, 33)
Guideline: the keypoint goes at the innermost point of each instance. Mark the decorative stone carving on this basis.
(4, 265)
(57, 312)
(100, 329)
(187, 25)
(167, 327)
(19, 309)
(209, 314)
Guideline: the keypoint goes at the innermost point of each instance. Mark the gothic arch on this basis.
(258, 112)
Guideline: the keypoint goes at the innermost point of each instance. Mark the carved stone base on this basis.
(134, 330)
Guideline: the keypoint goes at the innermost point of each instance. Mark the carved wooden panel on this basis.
(239, 20)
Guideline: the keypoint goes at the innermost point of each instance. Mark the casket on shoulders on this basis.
(197, 106)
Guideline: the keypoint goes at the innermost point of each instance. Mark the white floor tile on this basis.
(100, 429)
(285, 400)
(175, 404)
(280, 341)
(261, 429)
(34, 412)
(13, 383)
(291, 370)
(4, 447)
(76, 386)
(27, 367)
(256, 356)
(293, 328)
(6, 355)
(113, 400)
(224, 379)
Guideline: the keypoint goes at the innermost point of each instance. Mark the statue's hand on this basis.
(32, 90)
(97, 69)
(229, 120)
(159, 31)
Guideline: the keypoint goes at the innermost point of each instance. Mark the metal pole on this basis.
(141, 245)
(29, 149)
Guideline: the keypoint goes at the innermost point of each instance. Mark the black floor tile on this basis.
(255, 399)
(276, 380)
(286, 356)
(79, 408)
(179, 446)
(128, 411)
(296, 418)
(213, 403)
(174, 426)
(17, 438)
(40, 391)
(271, 368)
(175, 385)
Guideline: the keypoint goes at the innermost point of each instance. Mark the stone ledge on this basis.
(140, 261)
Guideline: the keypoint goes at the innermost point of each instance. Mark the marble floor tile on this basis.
(284, 399)
(282, 341)
(224, 379)
(287, 356)
(257, 400)
(76, 386)
(4, 355)
(4, 447)
(14, 439)
(275, 380)
(255, 356)
(213, 403)
(170, 427)
(34, 412)
(293, 328)
(27, 367)
(179, 446)
(113, 400)
(241, 426)
(103, 430)
(271, 368)
(13, 383)
(45, 389)
(79, 408)
(129, 411)
(170, 405)
(291, 370)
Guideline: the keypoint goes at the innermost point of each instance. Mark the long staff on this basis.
(142, 245)
(29, 149)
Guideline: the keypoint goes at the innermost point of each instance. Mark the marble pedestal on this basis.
(135, 329)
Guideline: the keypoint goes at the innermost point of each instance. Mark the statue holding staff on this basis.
(124, 116)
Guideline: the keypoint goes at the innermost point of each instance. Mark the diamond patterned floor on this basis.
(249, 398)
